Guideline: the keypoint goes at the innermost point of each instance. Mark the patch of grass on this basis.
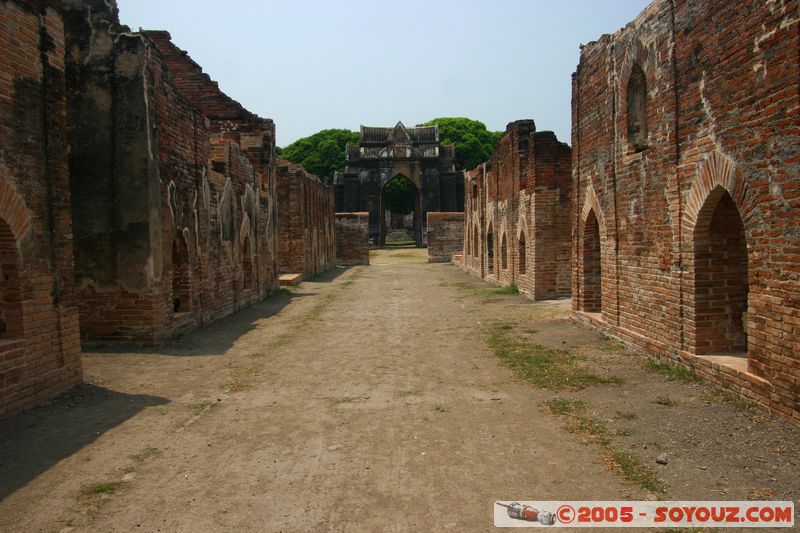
(102, 488)
(671, 371)
(411, 392)
(258, 354)
(505, 290)
(199, 407)
(626, 416)
(563, 406)
(240, 377)
(544, 368)
(440, 408)
(623, 432)
(144, 455)
(666, 401)
(280, 291)
(726, 396)
(631, 467)
(627, 464)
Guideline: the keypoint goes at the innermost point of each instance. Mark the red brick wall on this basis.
(445, 236)
(39, 341)
(352, 238)
(523, 197)
(306, 237)
(701, 216)
(182, 230)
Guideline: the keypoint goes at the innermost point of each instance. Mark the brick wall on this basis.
(39, 340)
(445, 236)
(517, 213)
(686, 191)
(352, 238)
(173, 198)
(306, 237)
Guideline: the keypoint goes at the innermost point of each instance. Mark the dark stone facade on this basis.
(384, 154)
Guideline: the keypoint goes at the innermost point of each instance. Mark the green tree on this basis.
(399, 196)
(322, 153)
(474, 143)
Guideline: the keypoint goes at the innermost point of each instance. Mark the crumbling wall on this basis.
(306, 237)
(517, 213)
(352, 238)
(445, 236)
(39, 340)
(180, 213)
(685, 191)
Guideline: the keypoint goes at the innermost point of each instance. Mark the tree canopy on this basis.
(399, 196)
(474, 143)
(322, 153)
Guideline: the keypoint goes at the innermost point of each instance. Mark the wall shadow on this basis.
(219, 336)
(34, 440)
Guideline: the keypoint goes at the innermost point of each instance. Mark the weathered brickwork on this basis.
(172, 185)
(686, 187)
(352, 238)
(39, 339)
(517, 213)
(306, 237)
(445, 236)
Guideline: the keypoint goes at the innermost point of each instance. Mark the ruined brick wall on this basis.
(306, 237)
(686, 187)
(517, 223)
(174, 222)
(39, 340)
(352, 238)
(445, 236)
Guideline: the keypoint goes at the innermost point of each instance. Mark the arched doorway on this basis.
(400, 212)
(720, 277)
(490, 249)
(504, 252)
(523, 266)
(10, 301)
(181, 285)
(591, 298)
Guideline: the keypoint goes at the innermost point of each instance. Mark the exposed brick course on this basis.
(517, 224)
(687, 187)
(352, 238)
(306, 237)
(39, 339)
(445, 236)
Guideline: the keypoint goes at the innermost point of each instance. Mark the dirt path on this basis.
(368, 400)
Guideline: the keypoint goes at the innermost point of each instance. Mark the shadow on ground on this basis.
(219, 336)
(35, 440)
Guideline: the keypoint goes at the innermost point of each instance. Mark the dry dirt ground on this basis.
(396, 397)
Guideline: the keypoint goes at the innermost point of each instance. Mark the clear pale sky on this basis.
(314, 64)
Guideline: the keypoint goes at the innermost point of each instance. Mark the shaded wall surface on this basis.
(306, 237)
(352, 238)
(39, 339)
(686, 191)
(517, 213)
(174, 212)
(445, 236)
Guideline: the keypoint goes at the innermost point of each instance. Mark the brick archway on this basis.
(592, 232)
(715, 229)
